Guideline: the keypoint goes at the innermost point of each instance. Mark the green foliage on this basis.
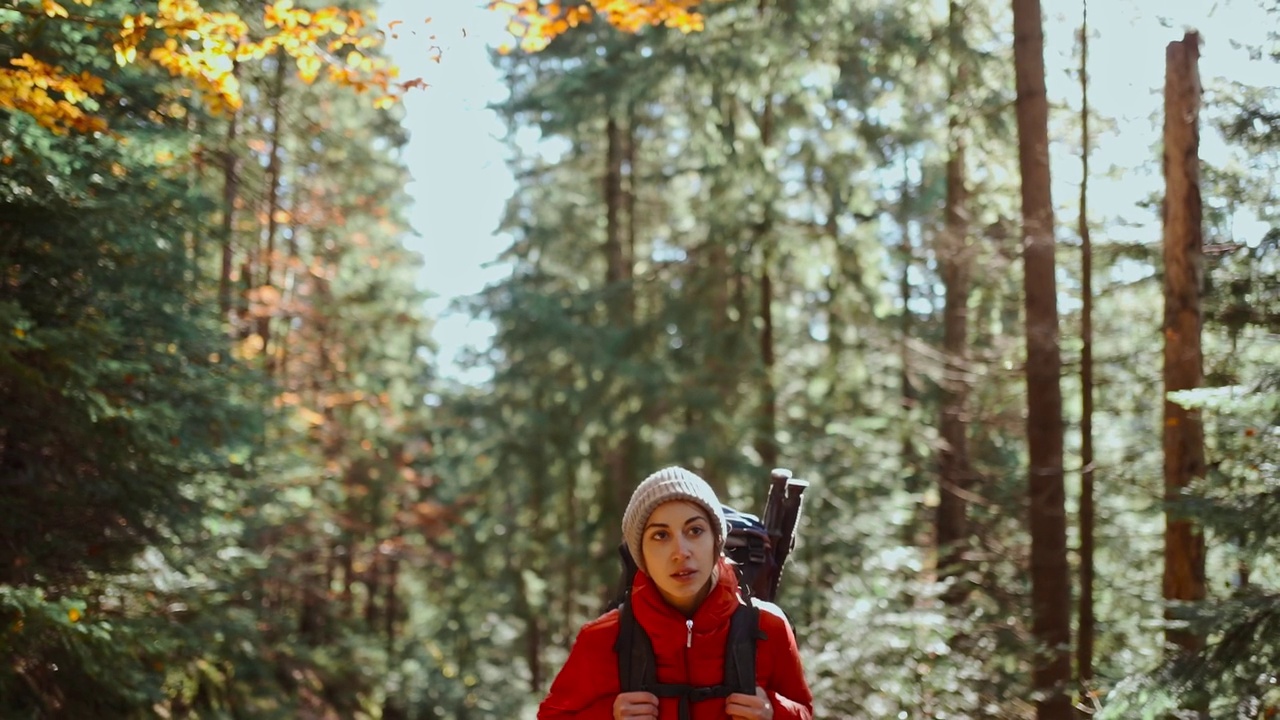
(279, 511)
(1236, 504)
(179, 484)
(110, 397)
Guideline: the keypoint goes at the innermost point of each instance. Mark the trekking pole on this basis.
(773, 505)
(788, 521)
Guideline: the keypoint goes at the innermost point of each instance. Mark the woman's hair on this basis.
(665, 485)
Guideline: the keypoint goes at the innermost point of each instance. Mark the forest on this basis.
(875, 242)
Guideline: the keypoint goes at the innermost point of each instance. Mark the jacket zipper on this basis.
(688, 667)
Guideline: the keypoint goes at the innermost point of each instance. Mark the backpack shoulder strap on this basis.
(740, 652)
(636, 670)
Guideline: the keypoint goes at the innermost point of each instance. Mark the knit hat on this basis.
(672, 483)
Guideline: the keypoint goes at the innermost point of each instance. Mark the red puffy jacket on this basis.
(588, 683)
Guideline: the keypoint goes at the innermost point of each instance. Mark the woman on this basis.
(683, 598)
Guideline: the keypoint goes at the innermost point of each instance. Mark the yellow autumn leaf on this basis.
(539, 22)
(202, 47)
(53, 9)
(311, 417)
(249, 348)
(126, 55)
(308, 68)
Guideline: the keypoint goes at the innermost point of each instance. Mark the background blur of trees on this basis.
(232, 484)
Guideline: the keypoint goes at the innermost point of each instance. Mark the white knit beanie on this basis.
(672, 483)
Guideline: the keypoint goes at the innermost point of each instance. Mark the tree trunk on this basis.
(1184, 552)
(909, 396)
(630, 194)
(955, 259)
(391, 600)
(292, 277)
(311, 613)
(244, 322)
(1050, 582)
(273, 208)
(230, 191)
(767, 433)
(535, 617)
(835, 281)
(373, 586)
(620, 475)
(767, 442)
(1085, 624)
(614, 201)
(573, 539)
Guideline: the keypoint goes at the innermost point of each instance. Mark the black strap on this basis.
(637, 668)
(636, 665)
(740, 651)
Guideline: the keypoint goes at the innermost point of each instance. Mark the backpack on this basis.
(758, 550)
(749, 546)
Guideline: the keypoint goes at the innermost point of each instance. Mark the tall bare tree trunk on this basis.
(955, 258)
(1085, 623)
(230, 191)
(767, 428)
(767, 441)
(1050, 580)
(291, 279)
(835, 281)
(273, 206)
(573, 539)
(619, 460)
(1184, 548)
(726, 298)
(630, 195)
(909, 396)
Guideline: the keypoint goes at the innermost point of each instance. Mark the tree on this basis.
(1184, 569)
(1085, 622)
(955, 256)
(537, 23)
(179, 494)
(116, 413)
(201, 47)
(1050, 584)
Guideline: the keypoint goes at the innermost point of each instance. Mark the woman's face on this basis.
(679, 552)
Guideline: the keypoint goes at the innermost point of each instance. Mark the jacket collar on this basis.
(659, 618)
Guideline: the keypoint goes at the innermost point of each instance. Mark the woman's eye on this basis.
(658, 536)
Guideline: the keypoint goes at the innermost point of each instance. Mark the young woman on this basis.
(683, 598)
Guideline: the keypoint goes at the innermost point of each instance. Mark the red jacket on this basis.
(588, 683)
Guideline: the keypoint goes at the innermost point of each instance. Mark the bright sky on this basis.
(461, 181)
(456, 156)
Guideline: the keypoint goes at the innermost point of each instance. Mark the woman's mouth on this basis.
(684, 576)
